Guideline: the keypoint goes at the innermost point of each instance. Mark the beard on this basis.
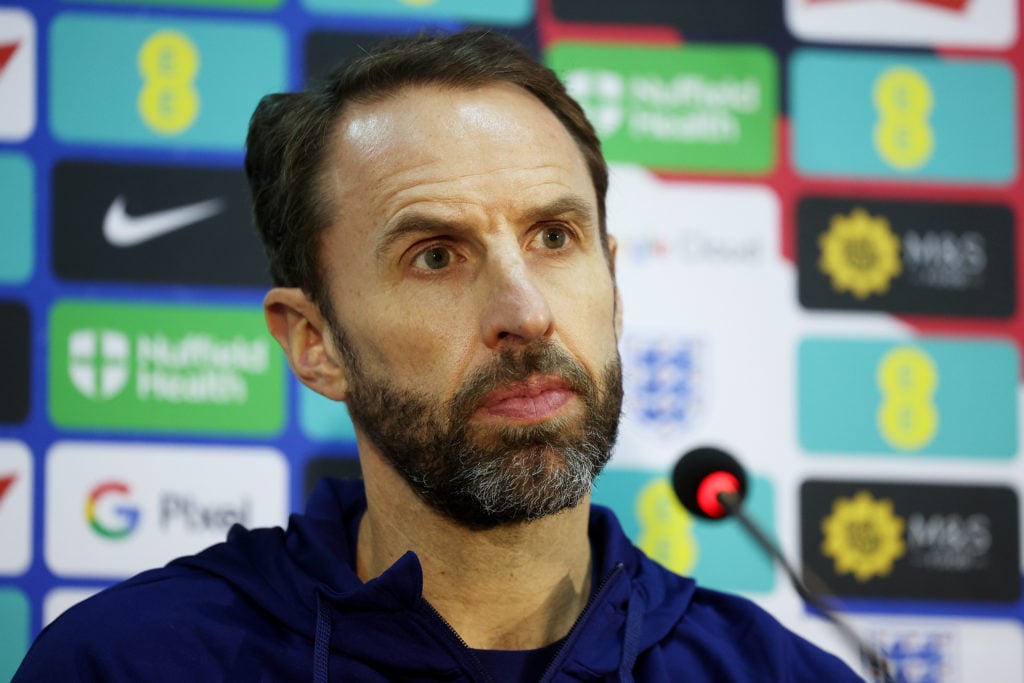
(484, 476)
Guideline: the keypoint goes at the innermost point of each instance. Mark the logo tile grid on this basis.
(112, 374)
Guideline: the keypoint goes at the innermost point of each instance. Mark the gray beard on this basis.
(484, 476)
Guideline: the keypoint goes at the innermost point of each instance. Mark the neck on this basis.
(515, 587)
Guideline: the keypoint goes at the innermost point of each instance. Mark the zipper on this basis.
(595, 596)
(480, 669)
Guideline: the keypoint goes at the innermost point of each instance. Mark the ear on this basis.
(297, 325)
(613, 250)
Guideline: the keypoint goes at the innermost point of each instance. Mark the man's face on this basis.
(473, 300)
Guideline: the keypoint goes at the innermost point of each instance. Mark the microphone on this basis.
(712, 484)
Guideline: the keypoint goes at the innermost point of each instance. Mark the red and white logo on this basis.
(950, 4)
(958, 5)
(982, 24)
(6, 480)
(17, 74)
(15, 508)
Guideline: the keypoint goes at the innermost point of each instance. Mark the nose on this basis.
(516, 310)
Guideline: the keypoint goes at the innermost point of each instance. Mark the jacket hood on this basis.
(305, 578)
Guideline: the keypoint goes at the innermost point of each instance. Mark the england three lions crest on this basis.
(664, 383)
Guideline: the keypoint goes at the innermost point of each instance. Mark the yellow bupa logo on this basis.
(168, 101)
(860, 254)
(863, 536)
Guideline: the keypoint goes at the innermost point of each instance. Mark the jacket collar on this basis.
(307, 571)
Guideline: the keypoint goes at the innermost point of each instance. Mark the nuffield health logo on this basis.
(98, 362)
(197, 368)
(696, 107)
(164, 368)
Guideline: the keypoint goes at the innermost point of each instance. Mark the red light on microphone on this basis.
(712, 485)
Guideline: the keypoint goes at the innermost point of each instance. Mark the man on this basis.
(434, 217)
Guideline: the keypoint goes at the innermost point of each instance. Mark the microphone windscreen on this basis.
(707, 466)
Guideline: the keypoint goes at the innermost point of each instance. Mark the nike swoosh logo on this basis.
(123, 230)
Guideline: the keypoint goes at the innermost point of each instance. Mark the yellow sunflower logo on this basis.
(863, 536)
(860, 254)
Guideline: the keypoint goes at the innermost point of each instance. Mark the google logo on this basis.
(126, 516)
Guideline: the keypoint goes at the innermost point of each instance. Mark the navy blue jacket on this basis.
(276, 605)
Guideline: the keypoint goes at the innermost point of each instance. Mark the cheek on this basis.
(418, 340)
(585, 317)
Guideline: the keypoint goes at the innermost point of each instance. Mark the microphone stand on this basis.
(878, 665)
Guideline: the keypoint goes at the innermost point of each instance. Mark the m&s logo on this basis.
(108, 511)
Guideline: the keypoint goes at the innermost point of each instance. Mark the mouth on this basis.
(536, 399)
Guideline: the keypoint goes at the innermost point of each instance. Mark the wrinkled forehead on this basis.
(437, 120)
(455, 143)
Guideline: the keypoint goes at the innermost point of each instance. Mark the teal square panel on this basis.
(14, 626)
(718, 554)
(17, 196)
(322, 419)
(929, 397)
(492, 12)
(894, 115)
(161, 81)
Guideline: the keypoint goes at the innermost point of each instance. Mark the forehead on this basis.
(452, 143)
(429, 112)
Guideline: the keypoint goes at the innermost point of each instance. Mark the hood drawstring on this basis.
(631, 644)
(322, 641)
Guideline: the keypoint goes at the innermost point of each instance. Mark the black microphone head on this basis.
(703, 473)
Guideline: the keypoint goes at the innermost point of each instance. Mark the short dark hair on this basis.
(289, 134)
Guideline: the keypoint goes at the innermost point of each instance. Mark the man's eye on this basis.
(554, 237)
(434, 258)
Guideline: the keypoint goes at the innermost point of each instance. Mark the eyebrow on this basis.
(414, 223)
(570, 205)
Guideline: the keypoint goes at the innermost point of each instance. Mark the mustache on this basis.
(543, 357)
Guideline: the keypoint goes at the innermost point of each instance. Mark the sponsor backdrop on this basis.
(817, 202)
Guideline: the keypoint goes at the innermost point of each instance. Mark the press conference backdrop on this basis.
(817, 205)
